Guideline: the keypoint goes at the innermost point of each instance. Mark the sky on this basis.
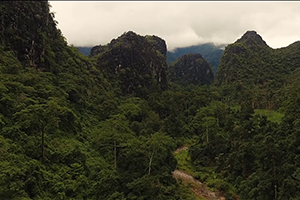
(179, 23)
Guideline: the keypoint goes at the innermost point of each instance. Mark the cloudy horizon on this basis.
(180, 24)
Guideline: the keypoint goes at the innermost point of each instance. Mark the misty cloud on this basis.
(178, 23)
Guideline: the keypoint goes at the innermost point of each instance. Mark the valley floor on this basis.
(199, 189)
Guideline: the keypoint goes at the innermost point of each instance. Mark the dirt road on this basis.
(197, 187)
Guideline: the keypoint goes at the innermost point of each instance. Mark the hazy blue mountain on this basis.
(212, 53)
(85, 50)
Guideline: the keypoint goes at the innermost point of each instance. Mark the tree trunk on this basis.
(150, 162)
(275, 177)
(43, 144)
(115, 155)
(207, 133)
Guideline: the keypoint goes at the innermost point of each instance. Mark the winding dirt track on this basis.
(196, 186)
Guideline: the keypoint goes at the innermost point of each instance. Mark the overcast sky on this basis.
(180, 24)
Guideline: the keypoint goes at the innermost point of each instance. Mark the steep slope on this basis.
(245, 60)
(191, 69)
(65, 132)
(249, 66)
(211, 52)
(28, 29)
(49, 92)
(291, 86)
(138, 62)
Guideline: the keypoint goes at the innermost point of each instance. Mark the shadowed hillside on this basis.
(249, 67)
(212, 53)
(191, 69)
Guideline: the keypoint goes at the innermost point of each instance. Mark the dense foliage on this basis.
(77, 127)
(250, 66)
(66, 131)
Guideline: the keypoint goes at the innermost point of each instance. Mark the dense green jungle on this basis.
(105, 126)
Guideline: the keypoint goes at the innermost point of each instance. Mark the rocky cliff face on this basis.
(251, 38)
(191, 69)
(28, 29)
(138, 62)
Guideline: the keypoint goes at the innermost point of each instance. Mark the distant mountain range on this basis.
(85, 50)
(246, 67)
(211, 52)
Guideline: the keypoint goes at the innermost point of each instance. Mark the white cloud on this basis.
(178, 23)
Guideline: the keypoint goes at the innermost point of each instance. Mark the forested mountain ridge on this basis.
(138, 62)
(239, 58)
(36, 42)
(190, 69)
(250, 64)
(211, 52)
(66, 131)
(69, 130)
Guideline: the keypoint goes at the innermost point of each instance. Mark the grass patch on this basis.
(271, 115)
(184, 162)
(186, 193)
(214, 181)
